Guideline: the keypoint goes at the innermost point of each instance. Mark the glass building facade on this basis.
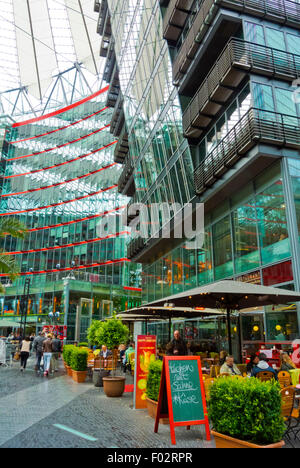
(210, 110)
(59, 178)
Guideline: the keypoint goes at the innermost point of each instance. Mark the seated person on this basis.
(229, 367)
(254, 360)
(286, 364)
(129, 350)
(263, 366)
(105, 356)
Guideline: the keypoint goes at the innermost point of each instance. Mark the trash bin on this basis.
(98, 375)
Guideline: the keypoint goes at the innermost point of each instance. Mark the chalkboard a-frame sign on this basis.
(181, 394)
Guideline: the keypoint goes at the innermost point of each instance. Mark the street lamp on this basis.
(24, 308)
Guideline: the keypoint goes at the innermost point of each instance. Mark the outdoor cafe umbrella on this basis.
(229, 295)
(166, 312)
(137, 318)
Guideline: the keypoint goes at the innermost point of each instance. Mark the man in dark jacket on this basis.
(38, 348)
(263, 366)
(56, 346)
(177, 347)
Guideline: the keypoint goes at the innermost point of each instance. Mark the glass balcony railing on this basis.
(238, 58)
(256, 126)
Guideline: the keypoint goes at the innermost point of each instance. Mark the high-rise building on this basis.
(206, 107)
(60, 180)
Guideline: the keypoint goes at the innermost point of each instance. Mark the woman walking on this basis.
(48, 350)
(25, 350)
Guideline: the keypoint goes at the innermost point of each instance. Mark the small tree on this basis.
(92, 332)
(112, 333)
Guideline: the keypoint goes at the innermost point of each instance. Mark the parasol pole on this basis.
(228, 310)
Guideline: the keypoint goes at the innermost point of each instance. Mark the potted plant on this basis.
(246, 413)
(111, 333)
(152, 389)
(79, 359)
(67, 353)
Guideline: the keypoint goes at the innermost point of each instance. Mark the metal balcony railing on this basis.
(122, 147)
(135, 246)
(256, 126)
(280, 11)
(175, 18)
(126, 174)
(236, 60)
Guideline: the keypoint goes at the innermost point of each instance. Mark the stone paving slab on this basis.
(110, 420)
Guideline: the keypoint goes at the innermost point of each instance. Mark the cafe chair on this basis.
(284, 379)
(287, 408)
(242, 368)
(207, 386)
(214, 371)
(265, 376)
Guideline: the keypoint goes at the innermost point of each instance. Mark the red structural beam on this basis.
(79, 267)
(60, 128)
(73, 244)
(60, 164)
(58, 184)
(48, 150)
(128, 288)
(61, 111)
(67, 223)
(53, 205)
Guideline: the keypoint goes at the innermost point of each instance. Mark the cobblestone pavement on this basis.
(31, 407)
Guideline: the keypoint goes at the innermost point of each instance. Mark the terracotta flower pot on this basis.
(114, 386)
(79, 376)
(152, 410)
(224, 441)
(69, 370)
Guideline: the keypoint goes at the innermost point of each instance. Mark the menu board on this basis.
(145, 354)
(186, 391)
(181, 395)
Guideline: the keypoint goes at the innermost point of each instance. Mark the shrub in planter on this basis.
(67, 353)
(152, 389)
(83, 345)
(153, 380)
(79, 359)
(247, 409)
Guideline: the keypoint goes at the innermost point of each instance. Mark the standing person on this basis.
(47, 350)
(25, 350)
(56, 348)
(38, 348)
(177, 347)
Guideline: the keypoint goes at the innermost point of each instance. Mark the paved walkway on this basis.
(56, 412)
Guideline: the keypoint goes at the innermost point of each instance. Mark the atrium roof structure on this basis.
(49, 54)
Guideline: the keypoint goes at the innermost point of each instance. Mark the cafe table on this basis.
(295, 376)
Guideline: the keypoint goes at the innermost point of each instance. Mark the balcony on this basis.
(135, 246)
(122, 148)
(126, 184)
(279, 11)
(237, 59)
(118, 118)
(256, 126)
(175, 18)
(114, 87)
(103, 14)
